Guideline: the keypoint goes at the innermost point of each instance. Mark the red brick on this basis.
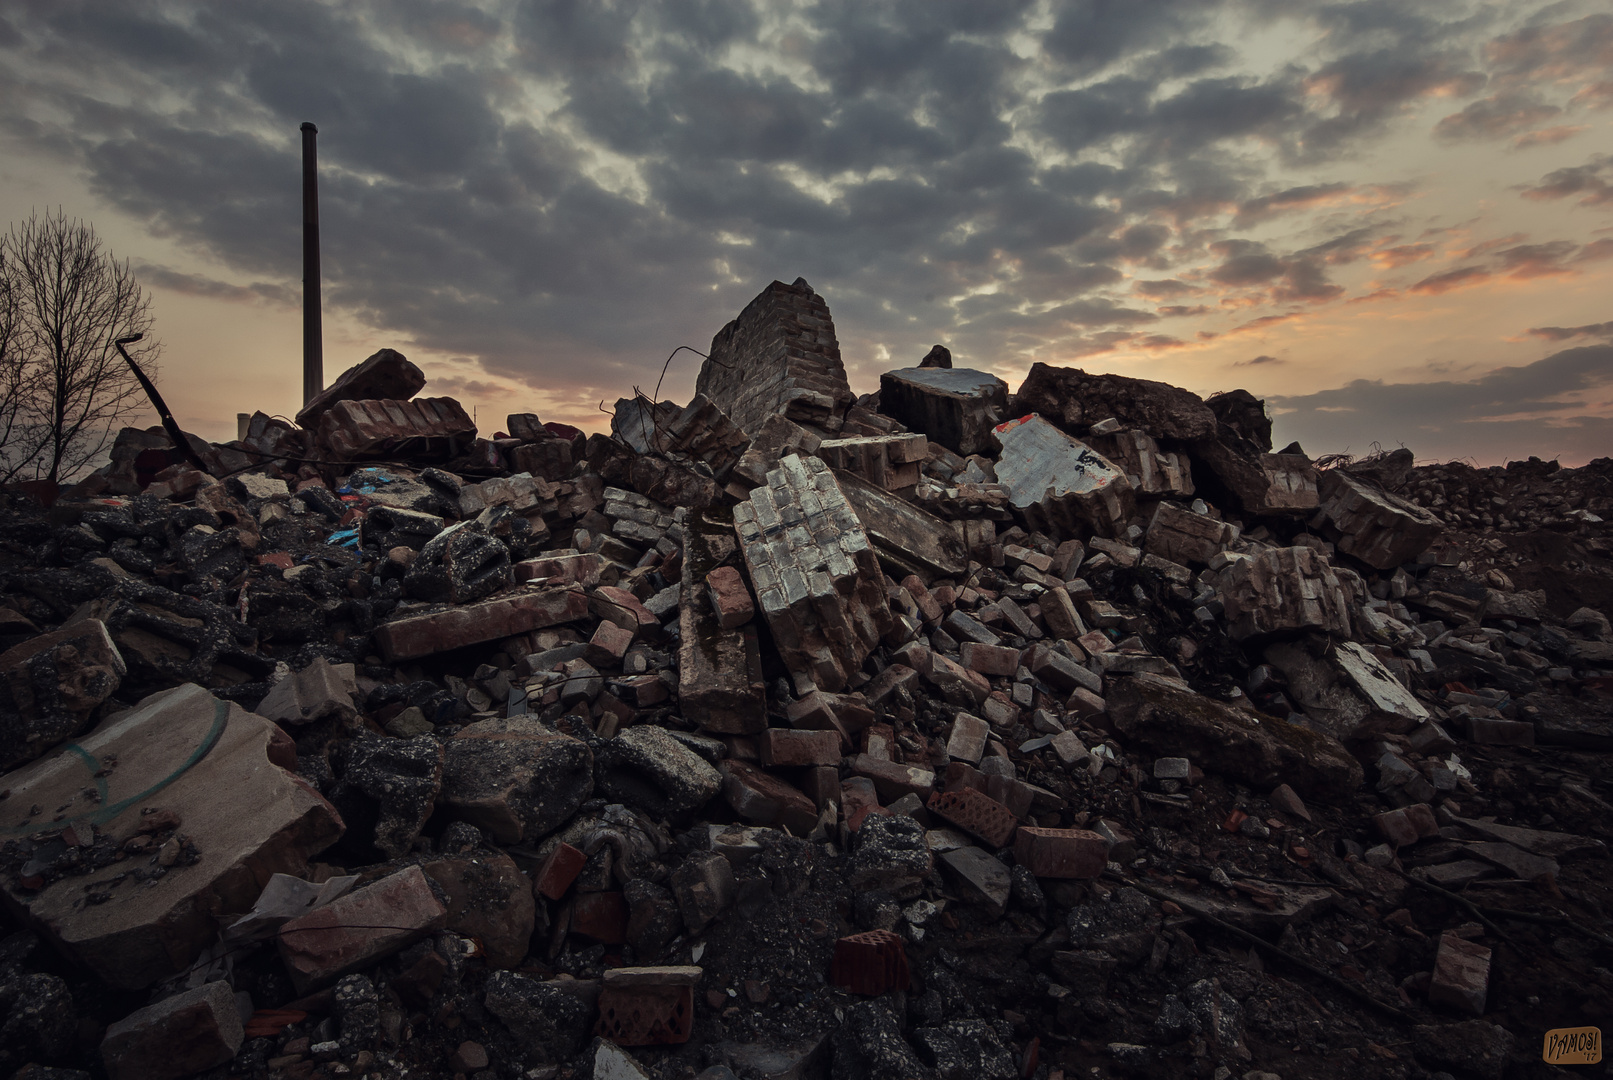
(277, 559)
(922, 597)
(1061, 853)
(624, 609)
(976, 813)
(891, 682)
(816, 712)
(730, 599)
(821, 784)
(870, 963)
(608, 645)
(1461, 974)
(558, 871)
(1407, 825)
(961, 775)
(645, 1015)
(858, 800)
(360, 928)
(645, 690)
(782, 748)
(989, 659)
(766, 800)
(471, 624)
(601, 916)
(892, 780)
(561, 570)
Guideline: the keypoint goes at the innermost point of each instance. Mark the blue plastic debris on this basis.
(344, 538)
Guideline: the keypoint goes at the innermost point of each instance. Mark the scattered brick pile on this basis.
(946, 732)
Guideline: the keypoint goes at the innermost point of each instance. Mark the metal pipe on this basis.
(169, 424)
(313, 346)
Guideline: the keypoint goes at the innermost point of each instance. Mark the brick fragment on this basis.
(976, 812)
(890, 779)
(989, 659)
(356, 930)
(779, 748)
(730, 599)
(1061, 853)
(181, 1035)
(870, 963)
(858, 799)
(608, 645)
(601, 916)
(1461, 974)
(652, 1006)
(966, 740)
(558, 871)
(471, 624)
(765, 799)
(1407, 825)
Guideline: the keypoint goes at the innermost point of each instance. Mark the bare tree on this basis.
(70, 301)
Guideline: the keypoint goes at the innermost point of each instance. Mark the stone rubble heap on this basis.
(941, 733)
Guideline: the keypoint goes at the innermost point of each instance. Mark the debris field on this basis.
(951, 732)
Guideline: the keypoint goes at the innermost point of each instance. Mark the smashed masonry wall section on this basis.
(779, 356)
(816, 576)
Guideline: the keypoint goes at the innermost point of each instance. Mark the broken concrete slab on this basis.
(1060, 484)
(956, 407)
(387, 375)
(817, 578)
(1380, 529)
(50, 686)
(208, 767)
(517, 779)
(1259, 751)
(503, 616)
(646, 767)
(981, 878)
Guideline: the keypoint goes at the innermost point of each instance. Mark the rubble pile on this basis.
(943, 732)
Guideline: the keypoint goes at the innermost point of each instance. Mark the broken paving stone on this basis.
(1515, 861)
(905, 536)
(208, 763)
(1060, 484)
(354, 931)
(51, 684)
(504, 616)
(647, 768)
(187, 1033)
(982, 879)
(966, 739)
(1556, 845)
(517, 779)
(956, 407)
(318, 691)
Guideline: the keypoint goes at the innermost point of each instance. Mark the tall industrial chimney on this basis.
(313, 345)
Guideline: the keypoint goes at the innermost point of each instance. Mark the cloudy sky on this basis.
(1393, 220)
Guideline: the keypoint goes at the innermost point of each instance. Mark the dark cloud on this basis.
(1566, 333)
(1261, 359)
(1511, 412)
(1592, 182)
(562, 190)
